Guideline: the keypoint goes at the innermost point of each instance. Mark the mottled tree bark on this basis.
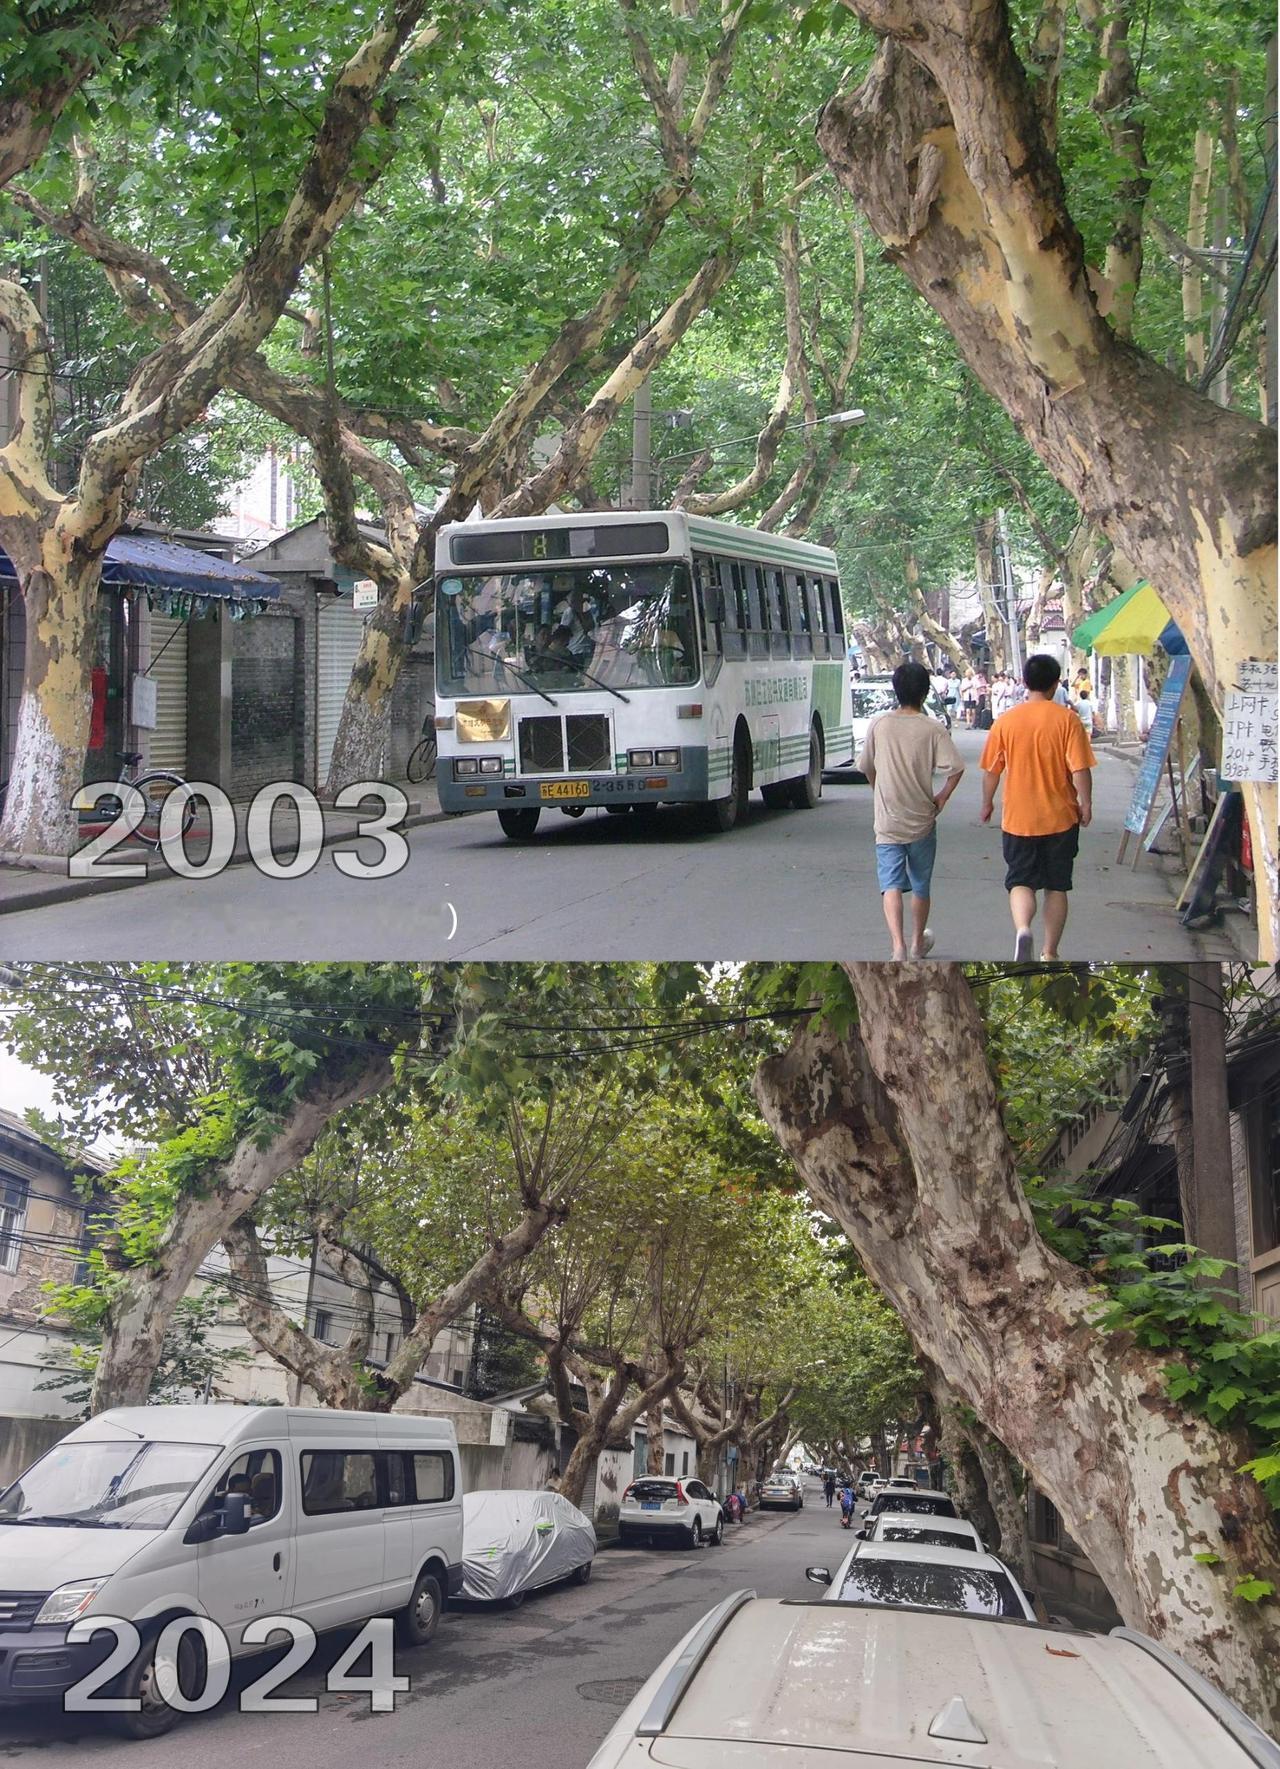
(943, 149)
(897, 1132)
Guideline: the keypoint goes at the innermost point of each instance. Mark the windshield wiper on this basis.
(519, 675)
(578, 664)
(52, 1517)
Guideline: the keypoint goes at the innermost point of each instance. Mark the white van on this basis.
(228, 1512)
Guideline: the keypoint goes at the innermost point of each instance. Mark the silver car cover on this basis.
(513, 1541)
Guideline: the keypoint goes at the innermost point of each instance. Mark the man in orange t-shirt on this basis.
(1045, 755)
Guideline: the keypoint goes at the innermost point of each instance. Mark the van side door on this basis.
(340, 1535)
(240, 1577)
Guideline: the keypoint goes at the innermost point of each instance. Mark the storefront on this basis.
(152, 592)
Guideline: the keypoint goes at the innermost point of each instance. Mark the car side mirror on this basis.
(862, 1535)
(818, 1575)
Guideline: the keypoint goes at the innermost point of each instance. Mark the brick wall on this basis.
(264, 741)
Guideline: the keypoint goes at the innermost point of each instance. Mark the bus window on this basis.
(818, 608)
(736, 616)
(837, 607)
(798, 601)
(711, 597)
(757, 612)
(779, 626)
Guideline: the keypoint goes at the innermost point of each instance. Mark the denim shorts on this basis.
(900, 865)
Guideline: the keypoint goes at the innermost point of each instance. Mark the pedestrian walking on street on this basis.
(829, 1487)
(1043, 751)
(901, 753)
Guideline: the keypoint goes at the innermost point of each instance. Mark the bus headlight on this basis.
(639, 758)
(491, 764)
(667, 758)
(465, 765)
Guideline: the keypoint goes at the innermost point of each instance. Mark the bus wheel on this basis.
(721, 815)
(519, 825)
(807, 790)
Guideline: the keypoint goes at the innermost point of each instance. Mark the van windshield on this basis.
(106, 1485)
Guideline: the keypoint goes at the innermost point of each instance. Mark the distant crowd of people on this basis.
(978, 700)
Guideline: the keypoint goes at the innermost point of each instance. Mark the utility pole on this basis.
(1008, 595)
(640, 491)
(1212, 1178)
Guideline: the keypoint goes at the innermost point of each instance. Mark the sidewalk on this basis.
(1235, 926)
(34, 887)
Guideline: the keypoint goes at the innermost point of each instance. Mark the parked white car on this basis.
(926, 1577)
(229, 1512)
(660, 1508)
(919, 1499)
(516, 1542)
(919, 1526)
(768, 1683)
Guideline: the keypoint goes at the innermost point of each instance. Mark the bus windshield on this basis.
(565, 631)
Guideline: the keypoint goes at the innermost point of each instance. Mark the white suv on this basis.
(769, 1683)
(658, 1508)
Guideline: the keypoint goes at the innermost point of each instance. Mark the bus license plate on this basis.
(566, 789)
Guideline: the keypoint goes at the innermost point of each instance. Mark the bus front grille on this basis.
(541, 746)
(587, 737)
(578, 743)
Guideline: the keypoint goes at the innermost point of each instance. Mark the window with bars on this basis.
(13, 1213)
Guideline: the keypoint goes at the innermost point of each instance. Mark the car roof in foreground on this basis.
(871, 1681)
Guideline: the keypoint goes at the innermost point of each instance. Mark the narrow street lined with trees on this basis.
(788, 1205)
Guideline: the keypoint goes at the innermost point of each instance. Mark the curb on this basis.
(66, 890)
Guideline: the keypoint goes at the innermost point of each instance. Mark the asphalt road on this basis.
(783, 885)
(536, 1688)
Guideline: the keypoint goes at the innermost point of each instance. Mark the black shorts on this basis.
(1040, 862)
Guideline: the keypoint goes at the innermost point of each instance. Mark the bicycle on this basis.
(155, 787)
(422, 757)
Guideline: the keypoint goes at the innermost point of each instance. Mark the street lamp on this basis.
(840, 420)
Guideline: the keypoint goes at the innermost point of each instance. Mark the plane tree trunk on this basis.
(143, 1297)
(896, 1130)
(943, 149)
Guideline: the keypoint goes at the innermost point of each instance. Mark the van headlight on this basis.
(69, 1601)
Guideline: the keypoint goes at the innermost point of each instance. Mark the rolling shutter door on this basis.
(168, 670)
(341, 628)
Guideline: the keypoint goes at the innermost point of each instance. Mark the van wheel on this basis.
(807, 790)
(419, 1619)
(519, 825)
(153, 1716)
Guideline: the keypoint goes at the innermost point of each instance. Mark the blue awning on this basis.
(144, 562)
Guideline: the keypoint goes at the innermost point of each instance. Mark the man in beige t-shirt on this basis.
(902, 752)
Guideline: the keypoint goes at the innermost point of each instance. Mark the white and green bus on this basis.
(635, 658)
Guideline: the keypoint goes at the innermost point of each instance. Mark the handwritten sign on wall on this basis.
(1249, 725)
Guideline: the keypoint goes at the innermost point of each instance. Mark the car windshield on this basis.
(929, 1538)
(935, 1504)
(867, 702)
(567, 631)
(106, 1485)
(927, 1585)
